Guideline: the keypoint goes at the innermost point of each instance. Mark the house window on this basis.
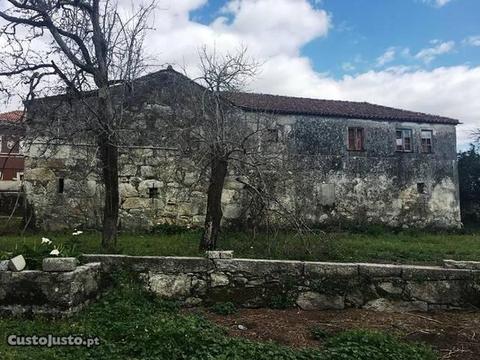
(356, 140)
(421, 189)
(61, 185)
(153, 192)
(426, 137)
(404, 140)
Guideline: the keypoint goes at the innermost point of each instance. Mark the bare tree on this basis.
(89, 48)
(219, 134)
(224, 140)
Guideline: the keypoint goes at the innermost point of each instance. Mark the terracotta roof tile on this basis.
(13, 116)
(330, 108)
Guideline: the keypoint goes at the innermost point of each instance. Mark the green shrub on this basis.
(372, 345)
(319, 333)
(224, 308)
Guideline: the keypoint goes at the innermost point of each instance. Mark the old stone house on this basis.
(338, 162)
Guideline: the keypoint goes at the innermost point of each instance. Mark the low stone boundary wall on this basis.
(39, 292)
(309, 285)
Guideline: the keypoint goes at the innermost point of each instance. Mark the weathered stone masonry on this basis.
(49, 293)
(309, 285)
(312, 172)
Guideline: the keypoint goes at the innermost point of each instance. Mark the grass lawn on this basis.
(133, 325)
(374, 246)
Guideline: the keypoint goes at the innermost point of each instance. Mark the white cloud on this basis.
(348, 66)
(437, 3)
(267, 27)
(386, 57)
(472, 40)
(275, 31)
(429, 54)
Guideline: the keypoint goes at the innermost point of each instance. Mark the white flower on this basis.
(55, 252)
(46, 241)
(75, 233)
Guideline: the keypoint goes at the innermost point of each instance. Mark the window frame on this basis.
(403, 130)
(422, 149)
(356, 131)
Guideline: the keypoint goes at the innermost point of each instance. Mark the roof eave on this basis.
(336, 116)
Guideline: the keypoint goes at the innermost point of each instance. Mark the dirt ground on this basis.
(455, 334)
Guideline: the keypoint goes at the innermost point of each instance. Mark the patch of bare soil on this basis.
(455, 334)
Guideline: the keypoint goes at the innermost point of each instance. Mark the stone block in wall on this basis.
(135, 219)
(232, 211)
(137, 203)
(58, 164)
(219, 254)
(93, 188)
(380, 270)
(154, 161)
(59, 264)
(41, 292)
(434, 273)
(128, 170)
(189, 209)
(315, 301)
(219, 279)
(170, 286)
(198, 219)
(270, 268)
(147, 172)
(127, 190)
(316, 269)
(143, 153)
(39, 174)
(228, 195)
(392, 288)
(153, 264)
(190, 178)
(159, 110)
(437, 292)
(231, 183)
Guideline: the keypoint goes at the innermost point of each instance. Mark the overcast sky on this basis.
(421, 55)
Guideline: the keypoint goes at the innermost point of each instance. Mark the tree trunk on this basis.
(214, 204)
(109, 157)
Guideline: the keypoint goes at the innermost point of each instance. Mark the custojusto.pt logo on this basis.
(50, 340)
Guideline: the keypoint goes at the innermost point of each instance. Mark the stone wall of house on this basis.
(49, 293)
(306, 167)
(308, 285)
(311, 172)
